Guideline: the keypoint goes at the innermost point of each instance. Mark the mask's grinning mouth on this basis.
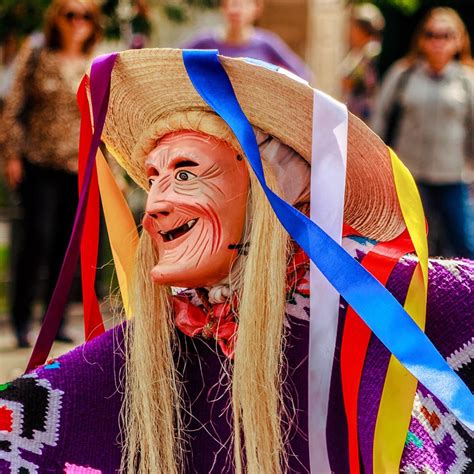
(178, 232)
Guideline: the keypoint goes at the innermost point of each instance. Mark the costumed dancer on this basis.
(258, 366)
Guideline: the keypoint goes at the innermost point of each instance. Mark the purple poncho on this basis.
(64, 417)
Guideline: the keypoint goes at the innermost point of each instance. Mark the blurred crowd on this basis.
(423, 107)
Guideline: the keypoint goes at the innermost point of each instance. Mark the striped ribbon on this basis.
(399, 387)
(380, 262)
(121, 228)
(93, 323)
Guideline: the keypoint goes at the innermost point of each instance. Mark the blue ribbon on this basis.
(371, 300)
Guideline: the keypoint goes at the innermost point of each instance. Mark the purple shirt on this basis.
(263, 45)
(64, 416)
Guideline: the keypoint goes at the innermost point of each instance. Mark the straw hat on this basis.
(150, 86)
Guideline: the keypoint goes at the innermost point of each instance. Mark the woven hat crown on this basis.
(150, 88)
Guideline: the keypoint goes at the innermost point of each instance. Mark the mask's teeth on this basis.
(170, 235)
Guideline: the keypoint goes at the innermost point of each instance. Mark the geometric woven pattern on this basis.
(436, 441)
(30, 423)
(73, 469)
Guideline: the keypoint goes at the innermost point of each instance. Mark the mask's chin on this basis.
(189, 276)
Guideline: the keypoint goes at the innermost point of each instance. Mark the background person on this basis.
(40, 137)
(359, 68)
(240, 38)
(426, 111)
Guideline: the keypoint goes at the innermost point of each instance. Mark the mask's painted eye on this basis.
(184, 175)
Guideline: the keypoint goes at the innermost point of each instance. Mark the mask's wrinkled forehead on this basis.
(291, 170)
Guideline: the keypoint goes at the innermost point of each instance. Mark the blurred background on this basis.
(341, 47)
(317, 30)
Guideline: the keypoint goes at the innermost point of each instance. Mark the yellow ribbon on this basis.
(123, 234)
(399, 389)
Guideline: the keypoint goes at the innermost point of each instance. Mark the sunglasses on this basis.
(71, 16)
(439, 35)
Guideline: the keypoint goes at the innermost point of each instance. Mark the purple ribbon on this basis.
(101, 71)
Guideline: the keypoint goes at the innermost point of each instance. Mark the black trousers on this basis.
(49, 199)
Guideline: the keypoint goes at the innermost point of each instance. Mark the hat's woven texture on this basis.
(150, 85)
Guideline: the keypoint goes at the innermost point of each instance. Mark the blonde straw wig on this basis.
(150, 87)
(154, 433)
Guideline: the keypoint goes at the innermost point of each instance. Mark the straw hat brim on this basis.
(149, 85)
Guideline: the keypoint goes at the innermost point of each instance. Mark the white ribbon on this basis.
(328, 179)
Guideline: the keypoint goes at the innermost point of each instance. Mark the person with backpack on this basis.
(359, 68)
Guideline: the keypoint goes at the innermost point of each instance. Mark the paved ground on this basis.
(13, 361)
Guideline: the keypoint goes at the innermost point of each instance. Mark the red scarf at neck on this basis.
(219, 321)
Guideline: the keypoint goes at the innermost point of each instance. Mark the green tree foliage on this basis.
(112, 21)
(408, 7)
(177, 10)
(20, 17)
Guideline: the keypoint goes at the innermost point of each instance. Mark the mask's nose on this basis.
(158, 208)
(156, 213)
(158, 203)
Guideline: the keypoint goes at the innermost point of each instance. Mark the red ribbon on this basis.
(380, 262)
(93, 324)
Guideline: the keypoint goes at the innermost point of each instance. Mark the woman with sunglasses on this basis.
(425, 111)
(39, 139)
